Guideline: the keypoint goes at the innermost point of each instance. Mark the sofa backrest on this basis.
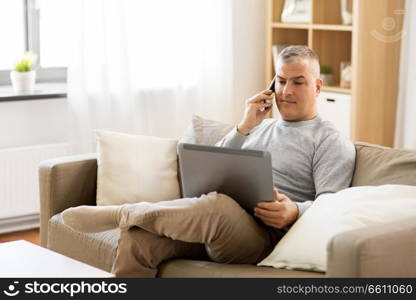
(377, 165)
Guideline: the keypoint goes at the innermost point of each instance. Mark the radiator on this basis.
(19, 187)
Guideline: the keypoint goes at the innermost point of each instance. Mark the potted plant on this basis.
(326, 75)
(23, 75)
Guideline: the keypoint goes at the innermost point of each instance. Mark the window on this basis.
(40, 26)
(54, 25)
(11, 31)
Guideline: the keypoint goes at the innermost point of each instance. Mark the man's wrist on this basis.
(302, 207)
(241, 129)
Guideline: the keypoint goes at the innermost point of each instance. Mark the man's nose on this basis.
(287, 90)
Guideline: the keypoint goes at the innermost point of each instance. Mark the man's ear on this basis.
(319, 84)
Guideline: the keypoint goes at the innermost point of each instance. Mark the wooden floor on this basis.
(31, 235)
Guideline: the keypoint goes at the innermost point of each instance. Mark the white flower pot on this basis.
(328, 79)
(23, 82)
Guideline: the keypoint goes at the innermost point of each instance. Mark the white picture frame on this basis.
(297, 11)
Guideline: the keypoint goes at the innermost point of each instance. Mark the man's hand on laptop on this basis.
(278, 213)
(253, 115)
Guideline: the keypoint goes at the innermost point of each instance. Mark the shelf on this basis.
(290, 25)
(336, 89)
(331, 27)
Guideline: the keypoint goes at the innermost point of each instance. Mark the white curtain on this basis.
(406, 112)
(145, 66)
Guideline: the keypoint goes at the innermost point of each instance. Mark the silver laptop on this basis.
(244, 175)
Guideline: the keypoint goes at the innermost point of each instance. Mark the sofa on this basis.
(386, 250)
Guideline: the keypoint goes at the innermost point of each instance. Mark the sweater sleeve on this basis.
(233, 139)
(303, 206)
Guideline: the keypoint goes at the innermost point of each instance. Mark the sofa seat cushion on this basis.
(96, 249)
(99, 250)
(186, 268)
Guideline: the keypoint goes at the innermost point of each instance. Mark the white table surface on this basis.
(24, 259)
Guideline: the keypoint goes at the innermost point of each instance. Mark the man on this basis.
(309, 155)
(309, 158)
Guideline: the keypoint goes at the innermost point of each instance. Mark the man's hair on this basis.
(293, 53)
(296, 53)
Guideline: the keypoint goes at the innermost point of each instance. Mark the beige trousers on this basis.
(213, 225)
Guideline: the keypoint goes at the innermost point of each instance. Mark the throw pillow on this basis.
(377, 165)
(135, 168)
(205, 132)
(304, 245)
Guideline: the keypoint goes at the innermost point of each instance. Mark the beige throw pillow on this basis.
(205, 132)
(135, 168)
(304, 246)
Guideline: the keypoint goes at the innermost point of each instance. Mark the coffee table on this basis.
(24, 259)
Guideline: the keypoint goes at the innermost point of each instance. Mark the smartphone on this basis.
(271, 87)
(272, 84)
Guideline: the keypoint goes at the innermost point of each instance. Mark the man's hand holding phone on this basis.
(256, 111)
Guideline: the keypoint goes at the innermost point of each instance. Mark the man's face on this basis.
(297, 87)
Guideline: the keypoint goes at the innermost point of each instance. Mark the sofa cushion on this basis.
(205, 132)
(377, 165)
(305, 244)
(99, 250)
(184, 268)
(96, 249)
(135, 168)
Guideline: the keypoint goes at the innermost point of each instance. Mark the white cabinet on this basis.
(336, 108)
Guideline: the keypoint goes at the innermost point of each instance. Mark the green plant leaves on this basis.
(27, 63)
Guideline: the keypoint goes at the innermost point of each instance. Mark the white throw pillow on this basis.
(135, 168)
(305, 244)
(205, 132)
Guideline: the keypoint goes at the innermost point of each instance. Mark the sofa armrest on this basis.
(63, 183)
(386, 250)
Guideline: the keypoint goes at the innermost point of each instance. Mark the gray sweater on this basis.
(309, 158)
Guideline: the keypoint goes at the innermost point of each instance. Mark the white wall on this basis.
(249, 41)
(33, 122)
